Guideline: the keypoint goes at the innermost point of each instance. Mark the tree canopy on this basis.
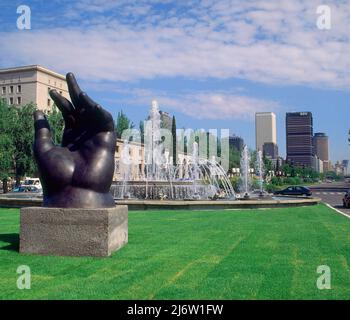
(16, 139)
(122, 123)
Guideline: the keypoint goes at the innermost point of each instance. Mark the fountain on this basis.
(192, 179)
(125, 166)
(194, 182)
(245, 173)
(260, 172)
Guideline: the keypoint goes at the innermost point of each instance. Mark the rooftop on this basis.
(32, 68)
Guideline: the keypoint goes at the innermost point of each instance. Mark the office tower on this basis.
(23, 85)
(320, 144)
(236, 142)
(270, 150)
(265, 129)
(299, 134)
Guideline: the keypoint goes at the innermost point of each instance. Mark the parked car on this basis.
(25, 192)
(32, 182)
(346, 199)
(24, 188)
(295, 191)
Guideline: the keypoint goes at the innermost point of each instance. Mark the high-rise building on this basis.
(265, 129)
(270, 150)
(320, 144)
(31, 84)
(236, 142)
(299, 134)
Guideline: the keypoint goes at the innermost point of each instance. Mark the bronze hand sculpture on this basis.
(79, 173)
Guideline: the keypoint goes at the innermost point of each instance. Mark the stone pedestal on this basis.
(73, 232)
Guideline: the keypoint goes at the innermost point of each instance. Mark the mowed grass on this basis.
(253, 254)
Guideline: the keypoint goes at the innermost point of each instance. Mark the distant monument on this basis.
(79, 216)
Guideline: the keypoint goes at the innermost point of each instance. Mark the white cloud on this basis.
(275, 42)
(218, 105)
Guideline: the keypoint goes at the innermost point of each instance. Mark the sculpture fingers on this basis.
(43, 139)
(100, 117)
(65, 107)
(74, 89)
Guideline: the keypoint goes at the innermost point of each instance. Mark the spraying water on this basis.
(192, 178)
(245, 172)
(260, 171)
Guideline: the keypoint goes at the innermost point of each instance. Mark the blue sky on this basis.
(211, 63)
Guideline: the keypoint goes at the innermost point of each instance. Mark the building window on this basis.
(11, 101)
(48, 102)
(117, 149)
(19, 100)
(19, 89)
(61, 93)
(3, 91)
(11, 89)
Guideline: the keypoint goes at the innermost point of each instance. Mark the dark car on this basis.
(346, 200)
(294, 191)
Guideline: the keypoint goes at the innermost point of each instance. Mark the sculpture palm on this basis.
(79, 173)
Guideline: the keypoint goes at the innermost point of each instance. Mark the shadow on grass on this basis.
(12, 239)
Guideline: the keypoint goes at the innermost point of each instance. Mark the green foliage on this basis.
(267, 164)
(23, 137)
(235, 181)
(142, 131)
(16, 140)
(56, 124)
(122, 123)
(7, 119)
(234, 158)
(253, 157)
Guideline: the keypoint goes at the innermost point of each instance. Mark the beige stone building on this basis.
(31, 84)
(136, 154)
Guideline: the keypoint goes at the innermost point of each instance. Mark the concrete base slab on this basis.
(73, 232)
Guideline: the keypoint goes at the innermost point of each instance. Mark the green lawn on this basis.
(253, 254)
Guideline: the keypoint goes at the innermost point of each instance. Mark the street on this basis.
(332, 193)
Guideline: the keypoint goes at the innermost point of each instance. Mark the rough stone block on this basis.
(73, 232)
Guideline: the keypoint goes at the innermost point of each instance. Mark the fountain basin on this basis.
(273, 202)
(163, 190)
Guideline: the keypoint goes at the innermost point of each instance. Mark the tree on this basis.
(277, 169)
(173, 132)
(253, 158)
(234, 157)
(16, 140)
(286, 169)
(122, 123)
(56, 124)
(267, 164)
(7, 120)
(23, 137)
(142, 131)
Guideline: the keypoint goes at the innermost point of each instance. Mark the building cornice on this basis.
(32, 68)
